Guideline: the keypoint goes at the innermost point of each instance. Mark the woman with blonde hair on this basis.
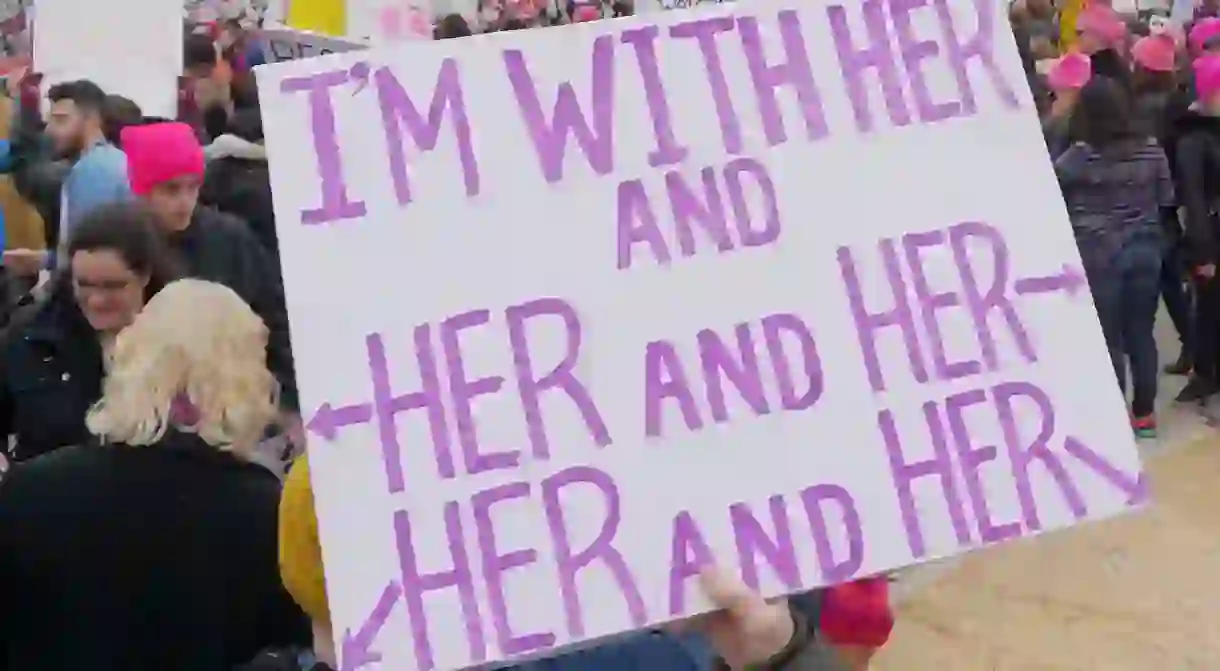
(154, 547)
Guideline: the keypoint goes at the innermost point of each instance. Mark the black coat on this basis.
(50, 374)
(1198, 183)
(121, 558)
(220, 248)
(239, 183)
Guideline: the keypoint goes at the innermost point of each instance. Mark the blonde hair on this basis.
(195, 340)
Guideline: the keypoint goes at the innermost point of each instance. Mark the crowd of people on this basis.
(145, 367)
(1131, 115)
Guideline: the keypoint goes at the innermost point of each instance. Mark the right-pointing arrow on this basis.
(328, 420)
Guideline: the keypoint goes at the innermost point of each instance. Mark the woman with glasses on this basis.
(52, 356)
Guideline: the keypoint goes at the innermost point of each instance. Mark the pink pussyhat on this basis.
(1155, 53)
(1070, 73)
(1103, 23)
(1203, 33)
(583, 13)
(1207, 77)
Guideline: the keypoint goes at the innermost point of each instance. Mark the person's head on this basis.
(230, 33)
(117, 260)
(1040, 9)
(194, 360)
(451, 26)
(1155, 59)
(1099, 28)
(1207, 82)
(118, 113)
(1103, 114)
(75, 119)
(199, 56)
(165, 165)
(1068, 76)
(1204, 36)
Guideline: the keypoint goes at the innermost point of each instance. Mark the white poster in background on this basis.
(136, 52)
(1183, 11)
(387, 22)
(575, 342)
(286, 44)
(652, 6)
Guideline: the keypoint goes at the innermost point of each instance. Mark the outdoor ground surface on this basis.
(1132, 594)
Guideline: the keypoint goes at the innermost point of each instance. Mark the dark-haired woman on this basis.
(51, 359)
(1118, 190)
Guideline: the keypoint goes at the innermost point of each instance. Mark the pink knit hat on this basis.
(1070, 73)
(1103, 23)
(1203, 32)
(1155, 53)
(159, 152)
(1207, 76)
(583, 13)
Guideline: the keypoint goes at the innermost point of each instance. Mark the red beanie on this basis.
(159, 152)
(858, 613)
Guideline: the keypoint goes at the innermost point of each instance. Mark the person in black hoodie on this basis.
(166, 166)
(237, 180)
(1198, 163)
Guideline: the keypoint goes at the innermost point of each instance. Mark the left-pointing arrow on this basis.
(357, 652)
(328, 420)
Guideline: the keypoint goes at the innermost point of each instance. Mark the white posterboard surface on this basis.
(588, 324)
(91, 40)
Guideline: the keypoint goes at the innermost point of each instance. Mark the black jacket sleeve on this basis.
(1192, 158)
(267, 300)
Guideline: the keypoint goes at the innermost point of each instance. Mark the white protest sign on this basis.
(136, 52)
(651, 6)
(285, 44)
(383, 22)
(567, 349)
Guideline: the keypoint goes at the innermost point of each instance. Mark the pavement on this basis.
(1128, 594)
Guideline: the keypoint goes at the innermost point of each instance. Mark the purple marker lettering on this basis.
(796, 73)
(931, 302)
(868, 324)
(415, 584)
(463, 391)
(664, 378)
(774, 327)
(668, 152)
(813, 499)
(638, 223)
(571, 563)
(704, 32)
(878, 55)
(562, 375)
(551, 138)
(688, 556)
(971, 459)
(914, 51)
(335, 203)
(981, 47)
(734, 171)
(398, 110)
(708, 215)
(1039, 449)
(741, 369)
(753, 542)
(995, 298)
(907, 473)
(387, 406)
(495, 565)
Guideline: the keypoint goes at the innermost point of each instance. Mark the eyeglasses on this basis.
(110, 286)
